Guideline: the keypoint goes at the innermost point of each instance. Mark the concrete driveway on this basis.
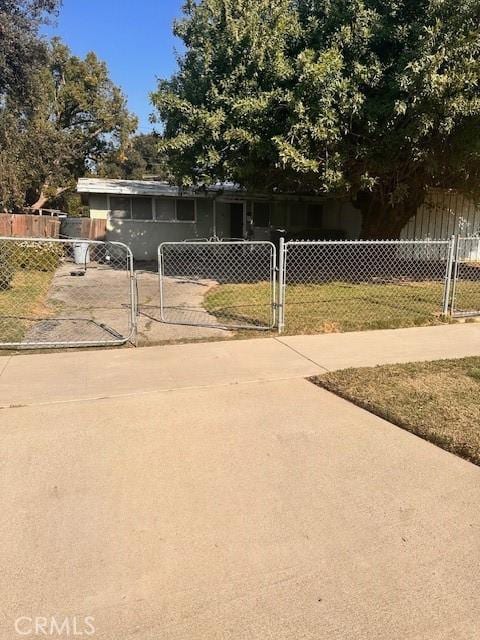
(241, 507)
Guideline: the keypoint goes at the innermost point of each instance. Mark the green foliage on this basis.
(28, 256)
(78, 118)
(139, 159)
(376, 100)
(37, 256)
(21, 50)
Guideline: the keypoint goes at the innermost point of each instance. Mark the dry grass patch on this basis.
(438, 401)
(23, 302)
(332, 306)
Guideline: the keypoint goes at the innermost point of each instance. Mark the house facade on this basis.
(142, 214)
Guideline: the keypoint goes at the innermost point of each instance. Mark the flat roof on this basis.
(146, 187)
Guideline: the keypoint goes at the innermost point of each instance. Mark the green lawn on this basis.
(248, 304)
(23, 300)
(330, 307)
(438, 401)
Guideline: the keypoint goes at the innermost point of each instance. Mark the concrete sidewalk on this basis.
(269, 511)
(65, 376)
(209, 492)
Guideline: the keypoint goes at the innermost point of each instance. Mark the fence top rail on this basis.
(209, 243)
(364, 242)
(65, 240)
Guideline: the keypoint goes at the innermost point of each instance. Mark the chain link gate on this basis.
(228, 285)
(330, 286)
(466, 278)
(65, 293)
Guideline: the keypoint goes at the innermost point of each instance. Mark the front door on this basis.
(236, 220)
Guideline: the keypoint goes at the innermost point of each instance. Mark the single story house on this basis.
(144, 213)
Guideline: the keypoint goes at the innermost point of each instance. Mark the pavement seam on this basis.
(2, 370)
(302, 355)
(20, 405)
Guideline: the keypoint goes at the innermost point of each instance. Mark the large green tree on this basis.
(77, 118)
(374, 100)
(21, 50)
(136, 160)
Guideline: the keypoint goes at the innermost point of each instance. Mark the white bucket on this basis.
(81, 252)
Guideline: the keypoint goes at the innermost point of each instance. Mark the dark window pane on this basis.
(186, 210)
(261, 214)
(298, 214)
(314, 216)
(165, 209)
(119, 207)
(142, 208)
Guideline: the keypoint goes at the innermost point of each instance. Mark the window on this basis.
(120, 207)
(314, 216)
(126, 208)
(175, 210)
(261, 214)
(186, 210)
(142, 209)
(306, 215)
(165, 209)
(298, 214)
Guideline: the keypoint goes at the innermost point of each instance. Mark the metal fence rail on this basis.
(466, 278)
(332, 286)
(65, 293)
(218, 284)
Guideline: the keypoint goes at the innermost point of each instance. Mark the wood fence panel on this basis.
(88, 228)
(19, 225)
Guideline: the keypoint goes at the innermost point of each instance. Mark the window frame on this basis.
(153, 200)
(316, 226)
(175, 220)
(119, 195)
(152, 209)
(269, 205)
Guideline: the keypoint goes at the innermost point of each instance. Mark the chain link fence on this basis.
(466, 278)
(353, 285)
(56, 293)
(218, 284)
(60, 293)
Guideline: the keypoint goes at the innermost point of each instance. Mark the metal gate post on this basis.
(281, 285)
(452, 250)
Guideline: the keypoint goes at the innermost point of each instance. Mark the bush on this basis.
(27, 256)
(36, 256)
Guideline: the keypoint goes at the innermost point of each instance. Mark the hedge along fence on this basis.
(27, 255)
(20, 225)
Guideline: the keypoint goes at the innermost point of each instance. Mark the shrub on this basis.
(27, 256)
(36, 256)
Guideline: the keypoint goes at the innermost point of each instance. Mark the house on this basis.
(144, 213)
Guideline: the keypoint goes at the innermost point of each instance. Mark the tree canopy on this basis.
(21, 50)
(372, 100)
(138, 159)
(74, 118)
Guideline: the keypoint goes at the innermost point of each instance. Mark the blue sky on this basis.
(134, 38)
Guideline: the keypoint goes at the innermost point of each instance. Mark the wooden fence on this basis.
(19, 225)
(89, 228)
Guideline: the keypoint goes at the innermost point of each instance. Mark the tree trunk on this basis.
(384, 221)
(43, 198)
(40, 203)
